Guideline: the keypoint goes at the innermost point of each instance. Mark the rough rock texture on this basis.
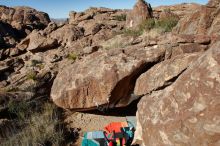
(141, 11)
(205, 20)
(67, 34)
(181, 10)
(24, 19)
(163, 74)
(37, 42)
(85, 84)
(168, 14)
(187, 112)
(213, 3)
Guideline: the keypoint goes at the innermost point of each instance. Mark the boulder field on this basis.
(96, 60)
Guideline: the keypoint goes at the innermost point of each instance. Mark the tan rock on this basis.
(181, 10)
(187, 112)
(102, 78)
(21, 17)
(163, 74)
(205, 20)
(141, 11)
(38, 43)
(67, 34)
(213, 3)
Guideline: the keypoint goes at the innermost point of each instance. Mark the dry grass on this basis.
(72, 56)
(117, 42)
(40, 130)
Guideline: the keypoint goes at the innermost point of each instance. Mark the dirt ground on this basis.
(96, 120)
(90, 122)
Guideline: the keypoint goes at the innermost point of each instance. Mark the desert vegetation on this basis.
(35, 124)
(121, 17)
(164, 25)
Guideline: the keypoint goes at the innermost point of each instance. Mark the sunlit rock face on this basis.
(188, 111)
(141, 11)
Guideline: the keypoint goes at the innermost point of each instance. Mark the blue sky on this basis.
(61, 8)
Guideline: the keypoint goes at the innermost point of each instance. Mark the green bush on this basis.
(72, 56)
(147, 24)
(120, 17)
(167, 24)
(32, 75)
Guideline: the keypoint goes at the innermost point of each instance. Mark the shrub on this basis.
(121, 17)
(20, 109)
(32, 76)
(132, 32)
(147, 24)
(72, 56)
(35, 62)
(41, 129)
(167, 24)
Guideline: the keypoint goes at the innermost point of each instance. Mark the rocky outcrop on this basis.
(180, 10)
(187, 112)
(8, 35)
(141, 11)
(163, 74)
(91, 13)
(213, 3)
(40, 43)
(67, 34)
(204, 20)
(24, 19)
(84, 85)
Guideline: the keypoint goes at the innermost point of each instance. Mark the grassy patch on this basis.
(32, 75)
(42, 128)
(121, 17)
(166, 25)
(72, 56)
(20, 109)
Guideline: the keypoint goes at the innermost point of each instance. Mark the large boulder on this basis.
(67, 34)
(38, 42)
(104, 78)
(141, 11)
(163, 74)
(187, 112)
(213, 3)
(24, 19)
(204, 20)
(181, 10)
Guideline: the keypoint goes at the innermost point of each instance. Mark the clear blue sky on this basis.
(61, 8)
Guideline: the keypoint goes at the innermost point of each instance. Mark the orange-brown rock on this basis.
(213, 3)
(103, 78)
(180, 10)
(204, 20)
(24, 19)
(141, 11)
(163, 74)
(187, 112)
